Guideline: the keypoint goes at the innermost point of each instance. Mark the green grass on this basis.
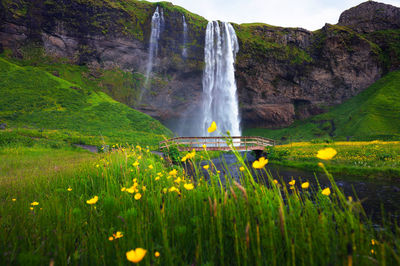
(373, 114)
(247, 224)
(374, 159)
(34, 98)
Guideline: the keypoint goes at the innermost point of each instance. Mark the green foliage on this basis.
(30, 96)
(254, 42)
(211, 224)
(373, 114)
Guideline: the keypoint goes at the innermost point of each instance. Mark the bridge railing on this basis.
(217, 143)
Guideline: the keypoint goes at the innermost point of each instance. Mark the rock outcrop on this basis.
(282, 74)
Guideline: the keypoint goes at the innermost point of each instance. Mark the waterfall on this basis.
(220, 100)
(185, 33)
(157, 24)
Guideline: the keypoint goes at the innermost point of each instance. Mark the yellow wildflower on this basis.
(157, 178)
(14, 199)
(241, 168)
(188, 186)
(156, 254)
(131, 190)
(151, 167)
(305, 185)
(135, 164)
(275, 181)
(292, 182)
(184, 158)
(111, 238)
(178, 180)
(260, 163)
(326, 154)
(212, 128)
(204, 146)
(138, 196)
(92, 200)
(123, 189)
(144, 188)
(373, 241)
(136, 255)
(206, 166)
(292, 187)
(173, 172)
(69, 189)
(35, 203)
(320, 164)
(326, 191)
(138, 147)
(117, 235)
(31, 208)
(164, 190)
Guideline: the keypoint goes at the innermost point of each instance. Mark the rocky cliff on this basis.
(282, 74)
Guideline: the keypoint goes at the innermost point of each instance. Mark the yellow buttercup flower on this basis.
(305, 185)
(118, 235)
(320, 164)
(184, 158)
(138, 196)
(326, 154)
(135, 163)
(204, 146)
(111, 238)
(292, 187)
(69, 189)
(173, 172)
(241, 168)
(275, 181)
(260, 163)
(206, 166)
(212, 128)
(292, 182)
(35, 203)
(156, 254)
(31, 208)
(188, 186)
(157, 178)
(92, 200)
(123, 189)
(326, 191)
(150, 167)
(14, 199)
(136, 255)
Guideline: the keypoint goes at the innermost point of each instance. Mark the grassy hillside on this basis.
(373, 114)
(32, 97)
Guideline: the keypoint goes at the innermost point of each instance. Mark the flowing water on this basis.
(374, 194)
(185, 34)
(220, 101)
(157, 24)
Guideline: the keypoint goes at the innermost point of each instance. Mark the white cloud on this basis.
(309, 14)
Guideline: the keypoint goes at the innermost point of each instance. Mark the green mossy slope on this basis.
(373, 114)
(33, 97)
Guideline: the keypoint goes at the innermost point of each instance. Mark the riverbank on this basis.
(373, 159)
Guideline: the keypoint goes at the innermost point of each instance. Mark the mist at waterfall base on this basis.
(219, 100)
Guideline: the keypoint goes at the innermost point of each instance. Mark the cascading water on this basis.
(185, 33)
(220, 102)
(157, 24)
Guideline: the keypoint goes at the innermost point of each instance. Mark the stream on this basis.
(373, 193)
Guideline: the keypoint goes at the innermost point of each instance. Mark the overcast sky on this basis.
(308, 14)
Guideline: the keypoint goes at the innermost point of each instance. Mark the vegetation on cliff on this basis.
(373, 114)
(31, 97)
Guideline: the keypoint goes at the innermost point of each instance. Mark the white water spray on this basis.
(157, 24)
(220, 101)
(185, 33)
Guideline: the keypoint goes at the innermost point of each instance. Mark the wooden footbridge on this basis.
(217, 143)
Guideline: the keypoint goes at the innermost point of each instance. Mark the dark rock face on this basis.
(282, 74)
(371, 16)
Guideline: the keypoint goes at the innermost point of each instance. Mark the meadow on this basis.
(377, 159)
(129, 205)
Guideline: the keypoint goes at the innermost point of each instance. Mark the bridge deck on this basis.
(217, 143)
